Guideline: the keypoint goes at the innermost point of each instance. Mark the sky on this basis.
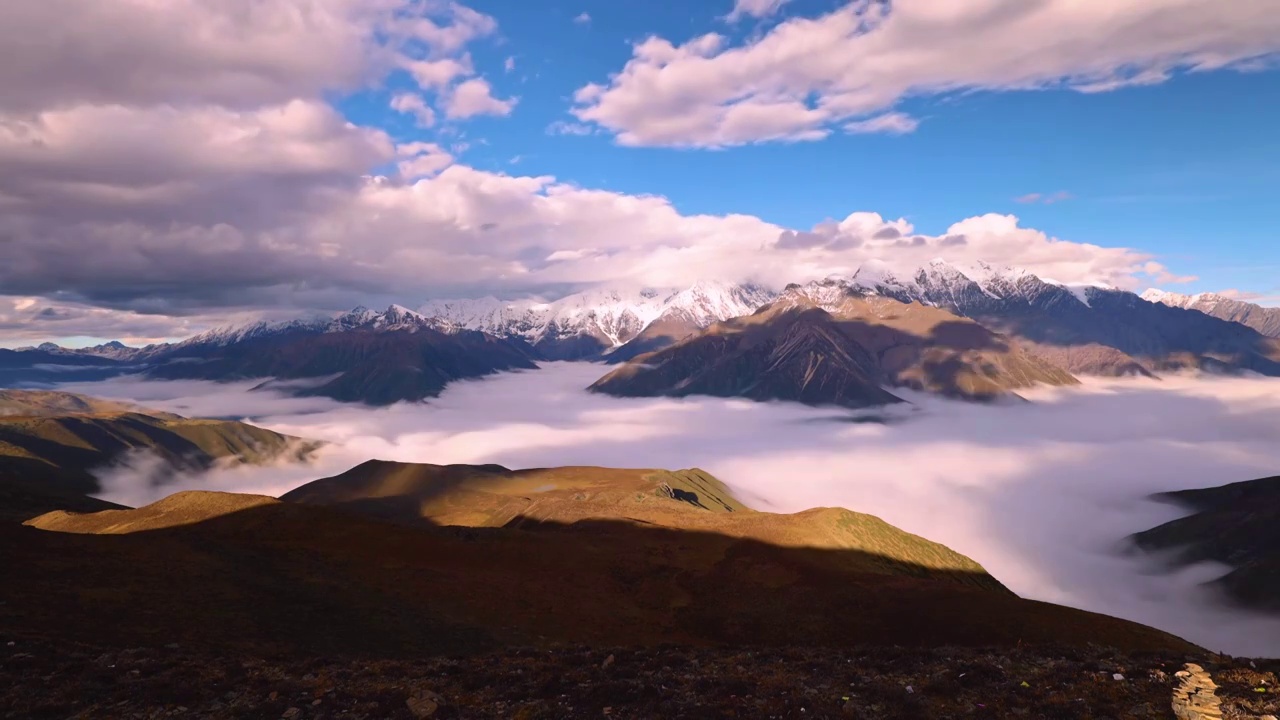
(167, 166)
(1043, 494)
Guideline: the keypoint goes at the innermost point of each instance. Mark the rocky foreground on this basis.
(42, 679)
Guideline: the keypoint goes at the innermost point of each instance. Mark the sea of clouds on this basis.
(1042, 493)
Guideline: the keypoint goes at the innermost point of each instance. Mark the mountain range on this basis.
(1037, 331)
(1265, 320)
(604, 323)
(827, 343)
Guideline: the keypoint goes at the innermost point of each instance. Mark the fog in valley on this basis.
(1042, 493)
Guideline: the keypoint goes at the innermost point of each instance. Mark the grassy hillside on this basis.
(250, 572)
(54, 442)
(694, 500)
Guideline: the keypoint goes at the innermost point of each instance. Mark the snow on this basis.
(611, 314)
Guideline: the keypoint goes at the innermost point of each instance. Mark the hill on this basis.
(1237, 525)
(827, 343)
(606, 557)
(51, 443)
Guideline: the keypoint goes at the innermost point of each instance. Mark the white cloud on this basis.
(894, 123)
(582, 19)
(509, 64)
(754, 8)
(475, 97)
(1040, 493)
(415, 105)
(1043, 198)
(438, 74)
(422, 160)
(560, 127)
(807, 74)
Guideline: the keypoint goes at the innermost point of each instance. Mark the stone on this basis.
(1196, 698)
(424, 704)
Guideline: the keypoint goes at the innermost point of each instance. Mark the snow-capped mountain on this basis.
(114, 350)
(1265, 320)
(970, 288)
(1088, 329)
(595, 322)
(395, 317)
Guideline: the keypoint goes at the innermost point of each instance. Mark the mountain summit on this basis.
(594, 323)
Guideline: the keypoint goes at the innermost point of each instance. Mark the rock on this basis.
(1117, 676)
(1195, 697)
(607, 662)
(291, 713)
(424, 704)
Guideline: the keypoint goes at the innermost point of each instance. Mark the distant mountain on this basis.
(482, 556)
(53, 443)
(1084, 328)
(606, 323)
(1237, 525)
(376, 358)
(830, 343)
(1265, 320)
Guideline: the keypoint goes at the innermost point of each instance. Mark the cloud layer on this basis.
(165, 164)
(806, 75)
(1041, 494)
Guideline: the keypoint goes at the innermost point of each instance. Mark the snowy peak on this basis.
(944, 284)
(1198, 301)
(394, 318)
(610, 316)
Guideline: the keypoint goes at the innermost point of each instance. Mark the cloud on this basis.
(1040, 493)
(509, 64)
(894, 123)
(422, 160)
(754, 8)
(560, 127)
(810, 74)
(474, 97)
(1046, 199)
(415, 105)
(582, 19)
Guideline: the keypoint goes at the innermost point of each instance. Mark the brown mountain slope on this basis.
(56, 441)
(236, 572)
(492, 496)
(840, 348)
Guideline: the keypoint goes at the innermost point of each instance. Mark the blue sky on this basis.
(183, 165)
(1188, 170)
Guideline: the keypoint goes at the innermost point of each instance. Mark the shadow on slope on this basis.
(249, 572)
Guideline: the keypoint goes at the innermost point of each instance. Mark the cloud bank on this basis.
(165, 166)
(806, 75)
(1041, 494)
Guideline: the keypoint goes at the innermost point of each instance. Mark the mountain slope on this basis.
(1085, 329)
(1265, 320)
(362, 356)
(599, 323)
(828, 343)
(235, 571)
(53, 442)
(1236, 524)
